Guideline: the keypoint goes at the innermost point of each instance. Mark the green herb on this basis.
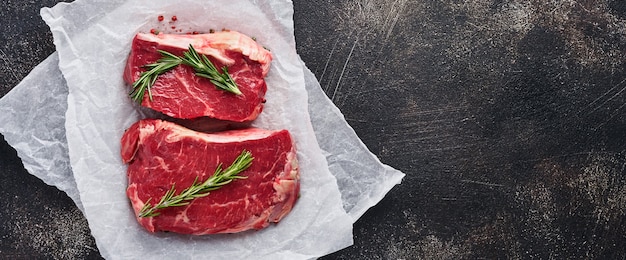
(147, 78)
(205, 68)
(200, 63)
(198, 190)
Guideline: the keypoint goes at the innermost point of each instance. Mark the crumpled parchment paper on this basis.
(92, 61)
(362, 179)
(33, 122)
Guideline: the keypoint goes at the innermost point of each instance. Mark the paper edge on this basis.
(68, 184)
(392, 175)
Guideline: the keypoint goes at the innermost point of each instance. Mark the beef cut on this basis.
(180, 93)
(160, 153)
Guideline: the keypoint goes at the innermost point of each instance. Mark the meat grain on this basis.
(160, 154)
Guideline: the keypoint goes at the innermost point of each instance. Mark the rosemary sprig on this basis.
(200, 63)
(205, 68)
(198, 190)
(147, 78)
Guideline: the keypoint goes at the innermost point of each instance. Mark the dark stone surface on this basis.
(507, 116)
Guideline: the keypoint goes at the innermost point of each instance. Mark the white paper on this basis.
(363, 180)
(92, 60)
(33, 118)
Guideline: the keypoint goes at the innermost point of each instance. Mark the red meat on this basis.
(180, 93)
(160, 154)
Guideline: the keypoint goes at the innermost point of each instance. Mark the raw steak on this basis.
(161, 153)
(180, 93)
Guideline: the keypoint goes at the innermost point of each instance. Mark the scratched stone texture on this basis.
(507, 116)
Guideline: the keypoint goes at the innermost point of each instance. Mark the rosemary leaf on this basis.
(147, 78)
(200, 63)
(197, 190)
(206, 69)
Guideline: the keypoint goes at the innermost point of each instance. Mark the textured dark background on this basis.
(507, 116)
